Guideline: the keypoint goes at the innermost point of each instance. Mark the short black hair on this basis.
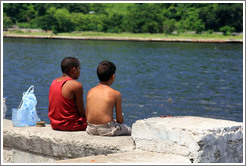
(68, 63)
(105, 70)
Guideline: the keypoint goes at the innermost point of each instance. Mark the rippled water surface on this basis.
(201, 79)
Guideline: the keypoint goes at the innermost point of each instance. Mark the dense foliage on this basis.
(126, 17)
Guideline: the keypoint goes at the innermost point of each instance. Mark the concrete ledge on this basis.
(11, 155)
(136, 156)
(46, 142)
(160, 140)
(204, 140)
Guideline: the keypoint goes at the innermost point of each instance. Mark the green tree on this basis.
(113, 23)
(132, 17)
(199, 26)
(64, 23)
(47, 22)
(19, 12)
(208, 15)
(169, 26)
(51, 11)
(7, 22)
(27, 13)
(143, 16)
(88, 22)
(171, 12)
(191, 19)
(150, 27)
(77, 7)
(98, 8)
(230, 14)
(12, 10)
(95, 22)
(218, 15)
(79, 20)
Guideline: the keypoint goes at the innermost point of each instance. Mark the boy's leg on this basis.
(103, 129)
(109, 129)
(90, 129)
(79, 125)
(122, 129)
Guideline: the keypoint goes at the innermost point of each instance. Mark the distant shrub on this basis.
(169, 26)
(23, 25)
(7, 22)
(150, 27)
(227, 30)
(210, 31)
(199, 26)
(114, 30)
(17, 31)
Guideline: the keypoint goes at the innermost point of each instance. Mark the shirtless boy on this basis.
(66, 106)
(100, 103)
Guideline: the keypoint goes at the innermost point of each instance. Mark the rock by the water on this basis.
(204, 140)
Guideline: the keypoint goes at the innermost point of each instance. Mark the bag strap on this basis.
(25, 93)
(31, 87)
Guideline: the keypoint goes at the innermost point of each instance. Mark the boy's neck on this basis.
(106, 83)
(65, 75)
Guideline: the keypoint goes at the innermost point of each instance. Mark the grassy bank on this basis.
(205, 35)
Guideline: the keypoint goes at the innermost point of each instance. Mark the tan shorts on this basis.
(109, 129)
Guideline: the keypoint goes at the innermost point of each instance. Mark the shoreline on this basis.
(123, 39)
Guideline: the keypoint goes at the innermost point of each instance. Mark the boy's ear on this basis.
(73, 69)
(113, 76)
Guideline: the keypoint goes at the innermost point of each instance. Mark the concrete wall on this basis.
(56, 145)
(201, 139)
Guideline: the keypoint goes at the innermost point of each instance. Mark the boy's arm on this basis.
(118, 108)
(86, 108)
(78, 92)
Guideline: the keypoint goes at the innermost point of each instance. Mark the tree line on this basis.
(126, 17)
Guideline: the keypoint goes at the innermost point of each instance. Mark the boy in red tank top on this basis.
(66, 104)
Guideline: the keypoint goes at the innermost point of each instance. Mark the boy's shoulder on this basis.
(116, 93)
(108, 88)
(74, 84)
(73, 81)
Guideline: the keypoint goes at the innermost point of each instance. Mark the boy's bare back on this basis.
(100, 103)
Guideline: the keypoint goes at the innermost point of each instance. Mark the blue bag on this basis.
(19, 117)
(26, 114)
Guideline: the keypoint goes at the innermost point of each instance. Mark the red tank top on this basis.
(63, 113)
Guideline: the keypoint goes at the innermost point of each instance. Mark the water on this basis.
(202, 79)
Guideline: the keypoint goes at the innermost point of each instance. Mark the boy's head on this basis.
(70, 65)
(105, 70)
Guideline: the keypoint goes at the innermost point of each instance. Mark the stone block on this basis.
(133, 157)
(203, 140)
(44, 141)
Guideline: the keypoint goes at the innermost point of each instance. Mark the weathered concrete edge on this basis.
(123, 39)
(11, 155)
(45, 141)
(135, 156)
(204, 140)
(30, 146)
